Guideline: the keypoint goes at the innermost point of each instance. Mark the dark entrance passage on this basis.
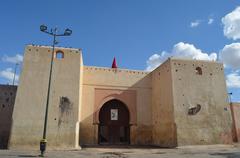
(114, 126)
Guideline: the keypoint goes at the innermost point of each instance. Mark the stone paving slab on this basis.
(213, 151)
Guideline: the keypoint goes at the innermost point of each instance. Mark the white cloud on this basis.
(230, 55)
(233, 80)
(155, 60)
(189, 51)
(231, 24)
(18, 58)
(195, 23)
(180, 50)
(8, 74)
(210, 21)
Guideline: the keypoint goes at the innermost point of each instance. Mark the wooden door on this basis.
(114, 123)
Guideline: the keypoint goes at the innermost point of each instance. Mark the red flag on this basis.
(114, 64)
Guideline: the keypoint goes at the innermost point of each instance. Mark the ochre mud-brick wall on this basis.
(235, 108)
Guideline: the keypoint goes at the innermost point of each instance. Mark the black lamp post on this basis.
(52, 32)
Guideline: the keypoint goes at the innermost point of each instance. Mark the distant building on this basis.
(7, 99)
(182, 102)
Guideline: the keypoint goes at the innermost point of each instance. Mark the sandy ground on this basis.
(210, 151)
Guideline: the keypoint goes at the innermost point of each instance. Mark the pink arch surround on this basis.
(128, 97)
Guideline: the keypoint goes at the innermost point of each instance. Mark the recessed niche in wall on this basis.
(194, 110)
(198, 71)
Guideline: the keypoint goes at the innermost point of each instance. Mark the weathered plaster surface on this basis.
(164, 128)
(63, 117)
(213, 123)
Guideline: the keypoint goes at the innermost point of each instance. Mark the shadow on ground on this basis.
(28, 155)
(227, 155)
(113, 155)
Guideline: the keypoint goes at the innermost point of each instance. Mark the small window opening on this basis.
(59, 55)
(198, 71)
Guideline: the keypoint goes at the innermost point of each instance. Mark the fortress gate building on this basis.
(182, 102)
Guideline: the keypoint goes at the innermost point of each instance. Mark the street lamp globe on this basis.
(67, 32)
(43, 28)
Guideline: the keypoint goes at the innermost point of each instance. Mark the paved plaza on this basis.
(211, 151)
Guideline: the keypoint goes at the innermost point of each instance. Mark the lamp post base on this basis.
(43, 145)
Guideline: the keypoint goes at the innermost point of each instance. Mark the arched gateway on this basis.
(114, 123)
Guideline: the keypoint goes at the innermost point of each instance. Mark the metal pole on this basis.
(48, 93)
(14, 75)
(53, 33)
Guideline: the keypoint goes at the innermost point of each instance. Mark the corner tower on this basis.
(201, 109)
(64, 100)
(190, 104)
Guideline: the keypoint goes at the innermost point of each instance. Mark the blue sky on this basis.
(131, 30)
